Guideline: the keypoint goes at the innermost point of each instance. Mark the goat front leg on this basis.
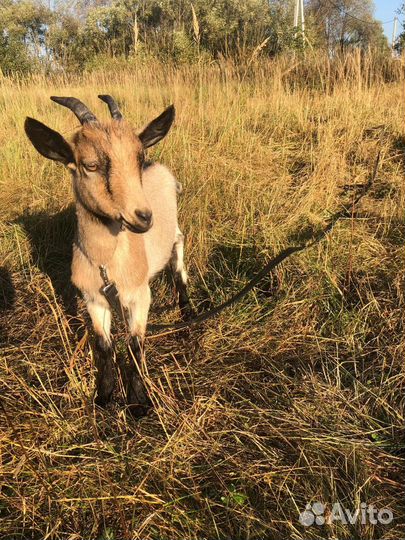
(102, 351)
(180, 276)
(130, 367)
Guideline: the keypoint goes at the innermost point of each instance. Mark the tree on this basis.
(77, 34)
(345, 23)
(23, 28)
(400, 42)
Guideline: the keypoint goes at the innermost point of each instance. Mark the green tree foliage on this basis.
(76, 35)
(345, 23)
(23, 27)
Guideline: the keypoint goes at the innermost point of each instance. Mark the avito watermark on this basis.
(315, 514)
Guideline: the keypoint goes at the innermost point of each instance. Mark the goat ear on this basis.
(48, 142)
(158, 128)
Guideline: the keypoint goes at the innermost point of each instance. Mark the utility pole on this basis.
(394, 36)
(296, 12)
(302, 23)
(299, 14)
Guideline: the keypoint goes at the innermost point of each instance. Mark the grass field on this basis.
(294, 395)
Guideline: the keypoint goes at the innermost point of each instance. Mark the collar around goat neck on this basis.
(110, 292)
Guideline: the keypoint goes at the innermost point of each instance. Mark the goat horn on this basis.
(112, 105)
(75, 105)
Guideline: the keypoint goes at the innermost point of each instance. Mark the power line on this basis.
(346, 13)
(387, 22)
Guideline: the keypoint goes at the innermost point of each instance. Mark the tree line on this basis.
(61, 35)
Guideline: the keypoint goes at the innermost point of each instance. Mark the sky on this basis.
(385, 10)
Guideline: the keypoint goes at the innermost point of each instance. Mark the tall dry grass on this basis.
(293, 395)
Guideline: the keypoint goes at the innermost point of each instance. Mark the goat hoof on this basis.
(137, 399)
(104, 391)
(102, 400)
(187, 312)
(138, 411)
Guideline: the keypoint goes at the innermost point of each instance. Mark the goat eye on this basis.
(90, 167)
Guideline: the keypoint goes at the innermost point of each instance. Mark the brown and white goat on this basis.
(126, 223)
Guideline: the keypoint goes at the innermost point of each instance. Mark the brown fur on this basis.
(121, 193)
(131, 259)
(126, 222)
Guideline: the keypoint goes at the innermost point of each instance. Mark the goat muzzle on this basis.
(139, 227)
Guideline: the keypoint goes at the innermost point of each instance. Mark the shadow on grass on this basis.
(7, 299)
(51, 237)
(230, 268)
(7, 291)
(399, 145)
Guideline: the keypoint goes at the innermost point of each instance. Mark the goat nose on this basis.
(144, 216)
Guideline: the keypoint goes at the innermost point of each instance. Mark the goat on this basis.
(127, 227)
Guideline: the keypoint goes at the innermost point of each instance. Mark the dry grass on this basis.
(294, 395)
